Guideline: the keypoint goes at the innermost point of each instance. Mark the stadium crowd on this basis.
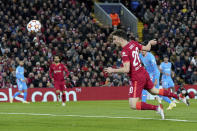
(174, 24)
(69, 30)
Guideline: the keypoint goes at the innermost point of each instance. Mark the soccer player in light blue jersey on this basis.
(151, 66)
(21, 83)
(166, 71)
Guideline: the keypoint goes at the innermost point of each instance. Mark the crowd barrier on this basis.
(76, 94)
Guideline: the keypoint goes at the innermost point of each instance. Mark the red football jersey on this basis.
(130, 53)
(56, 72)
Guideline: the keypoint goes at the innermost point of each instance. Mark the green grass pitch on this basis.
(94, 116)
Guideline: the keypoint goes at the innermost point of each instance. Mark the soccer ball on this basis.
(34, 26)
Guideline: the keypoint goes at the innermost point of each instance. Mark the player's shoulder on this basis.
(162, 63)
(52, 65)
(124, 53)
(18, 67)
(61, 64)
(135, 43)
(131, 45)
(149, 53)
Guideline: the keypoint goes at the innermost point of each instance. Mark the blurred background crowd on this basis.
(69, 30)
(174, 24)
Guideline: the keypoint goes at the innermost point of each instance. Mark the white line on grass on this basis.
(85, 116)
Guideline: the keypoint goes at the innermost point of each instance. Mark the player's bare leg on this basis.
(173, 90)
(136, 104)
(25, 97)
(12, 97)
(58, 95)
(163, 92)
(63, 98)
(132, 102)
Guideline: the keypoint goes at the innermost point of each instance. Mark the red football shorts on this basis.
(60, 86)
(138, 83)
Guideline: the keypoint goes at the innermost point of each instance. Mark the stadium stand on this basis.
(69, 30)
(174, 24)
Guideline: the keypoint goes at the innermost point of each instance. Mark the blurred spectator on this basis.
(178, 66)
(179, 49)
(194, 77)
(36, 81)
(44, 82)
(115, 19)
(148, 16)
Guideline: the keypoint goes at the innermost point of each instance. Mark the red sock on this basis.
(63, 97)
(167, 93)
(145, 106)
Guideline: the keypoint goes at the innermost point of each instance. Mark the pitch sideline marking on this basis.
(84, 116)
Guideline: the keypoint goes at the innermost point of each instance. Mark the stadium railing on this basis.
(102, 11)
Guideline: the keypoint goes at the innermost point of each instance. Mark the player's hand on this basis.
(155, 84)
(153, 42)
(173, 74)
(52, 80)
(167, 74)
(108, 70)
(23, 80)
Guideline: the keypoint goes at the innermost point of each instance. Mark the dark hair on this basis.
(120, 33)
(165, 56)
(56, 56)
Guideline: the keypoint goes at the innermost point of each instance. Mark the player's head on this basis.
(144, 43)
(56, 59)
(118, 37)
(165, 58)
(21, 63)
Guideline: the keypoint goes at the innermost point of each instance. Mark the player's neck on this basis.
(57, 63)
(124, 43)
(145, 55)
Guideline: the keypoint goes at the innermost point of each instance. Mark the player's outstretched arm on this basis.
(148, 46)
(67, 72)
(124, 69)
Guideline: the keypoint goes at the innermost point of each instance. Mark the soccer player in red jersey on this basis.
(138, 75)
(56, 72)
